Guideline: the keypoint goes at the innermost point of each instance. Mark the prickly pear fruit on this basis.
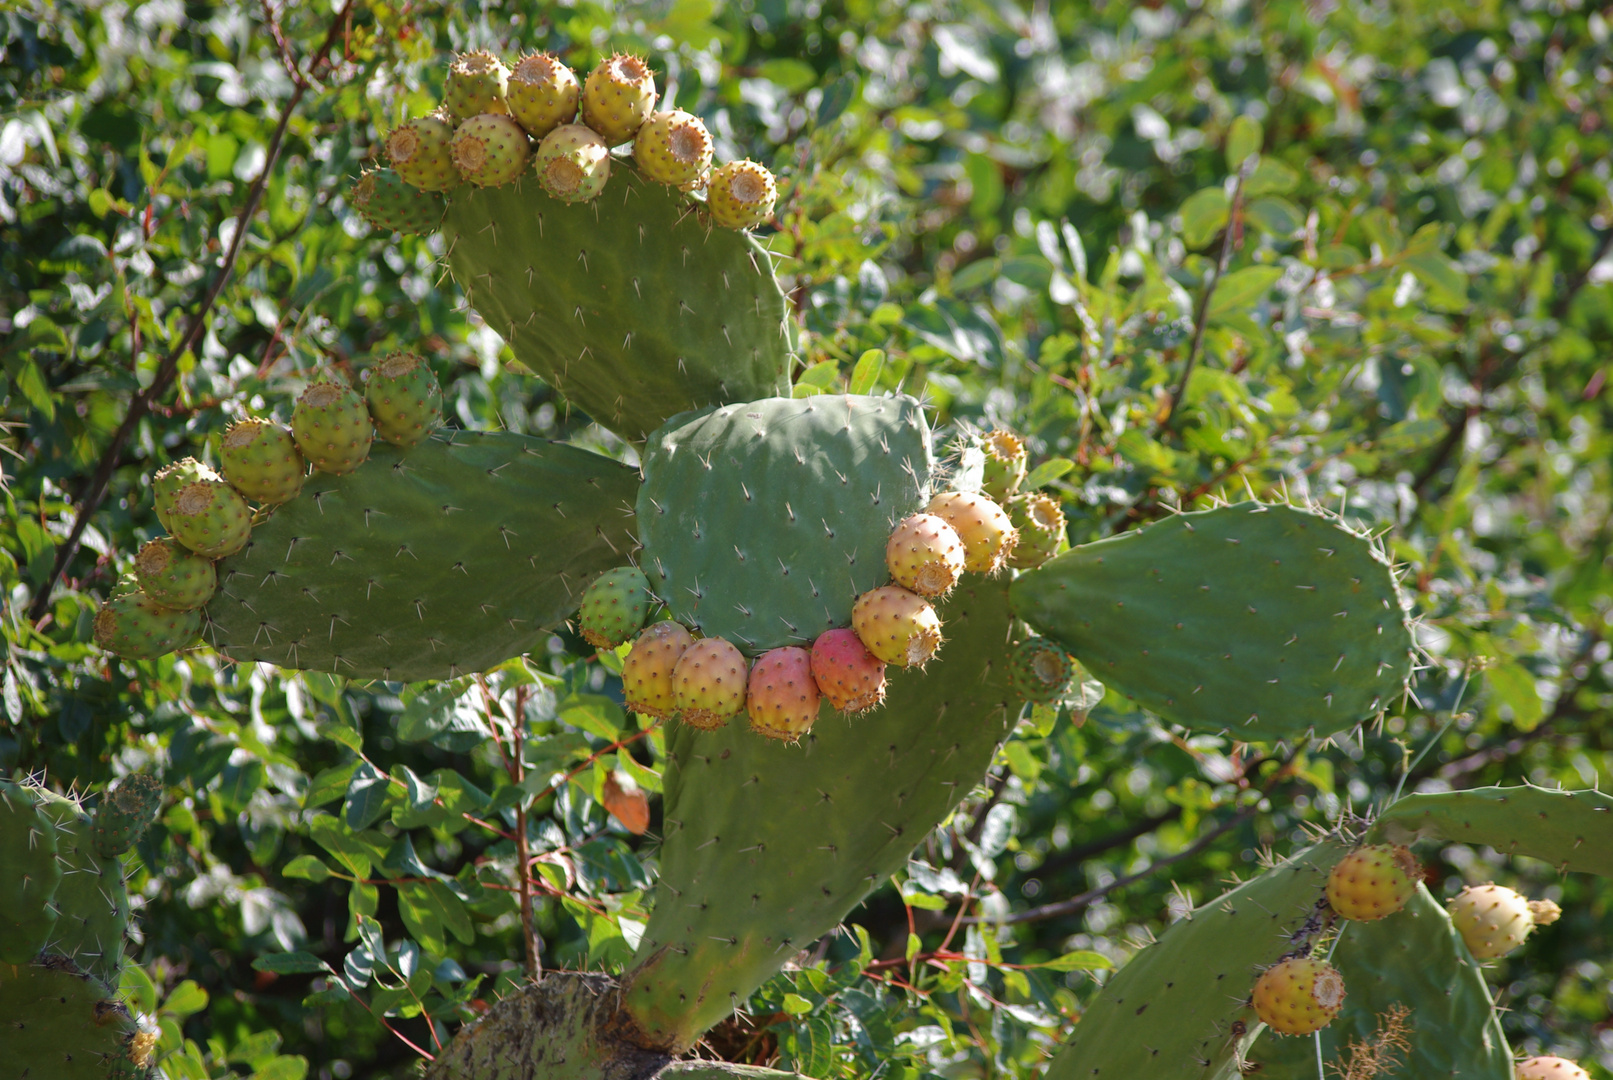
(211, 519)
(490, 150)
(1039, 671)
(1005, 465)
(126, 813)
(708, 685)
(925, 555)
(332, 426)
(136, 626)
(1299, 996)
(647, 671)
(418, 150)
(851, 677)
(383, 199)
(897, 626)
(28, 853)
(615, 606)
(624, 800)
(170, 481)
(1039, 525)
(542, 94)
(261, 460)
(740, 195)
(404, 398)
(618, 97)
(174, 576)
(1494, 920)
(984, 527)
(1372, 882)
(673, 148)
(782, 697)
(573, 163)
(475, 84)
(1550, 1068)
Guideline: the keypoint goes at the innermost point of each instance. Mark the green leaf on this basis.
(290, 963)
(865, 376)
(188, 998)
(1204, 215)
(1279, 217)
(307, 867)
(824, 374)
(1244, 137)
(284, 1067)
(366, 798)
(793, 75)
(1047, 472)
(329, 785)
(927, 901)
(1081, 960)
(1242, 289)
(1270, 177)
(1514, 687)
(796, 1005)
(1446, 282)
(914, 944)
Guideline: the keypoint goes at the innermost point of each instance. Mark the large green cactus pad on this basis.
(91, 901)
(30, 873)
(763, 522)
(57, 1023)
(768, 846)
(426, 563)
(1263, 621)
(632, 306)
(1572, 830)
(1414, 957)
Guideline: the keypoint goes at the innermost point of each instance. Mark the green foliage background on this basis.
(1023, 206)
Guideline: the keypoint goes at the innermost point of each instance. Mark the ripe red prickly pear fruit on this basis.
(618, 97)
(211, 519)
(475, 84)
(134, 625)
(897, 626)
(741, 194)
(261, 460)
(1494, 920)
(1547, 1067)
(1039, 526)
(490, 150)
(404, 399)
(332, 426)
(573, 163)
(708, 685)
(1005, 465)
(1039, 671)
(647, 671)
(615, 606)
(851, 677)
(170, 481)
(925, 555)
(542, 93)
(418, 150)
(626, 801)
(984, 527)
(1299, 996)
(673, 148)
(1372, 882)
(781, 696)
(173, 576)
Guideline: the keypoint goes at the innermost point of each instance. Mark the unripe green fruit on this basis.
(490, 150)
(475, 85)
(1039, 671)
(781, 697)
(1547, 1067)
(32, 874)
(1005, 465)
(618, 98)
(573, 163)
(708, 685)
(984, 527)
(125, 814)
(332, 426)
(404, 398)
(175, 576)
(897, 626)
(383, 199)
(1493, 920)
(418, 150)
(673, 148)
(542, 94)
(647, 671)
(925, 555)
(1038, 529)
(170, 480)
(136, 626)
(1372, 882)
(211, 518)
(740, 195)
(260, 459)
(614, 607)
(1299, 996)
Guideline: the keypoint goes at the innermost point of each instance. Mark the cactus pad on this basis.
(92, 904)
(29, 874)
(57, 1023)
(1565, 828)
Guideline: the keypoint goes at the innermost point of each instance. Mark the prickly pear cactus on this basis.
(32, 874)
(1568, 829)
(58, 1022)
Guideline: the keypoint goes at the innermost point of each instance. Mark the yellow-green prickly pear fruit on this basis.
(475, 85)
(1039, 671)
(418, 150)
(542, 94)
(897, 626)
(1373, 882)
(1039, 527)
(404, 398)
(170, 480)
(673, 148)
(1494, 920)
(1005, 465)
(332, 427)
(925, 555)
(647, 671)
(1299, 996)
(136, 626)
(618, 97)
(125, 813)
(781, 697)
(615, 606)
(986, 530)
(1547, 1067)
(28, 852)
(740, 195)
(260, 459)
(175, 576)
(490, 150)
(211, 518)
(573, 163)
(708, 685)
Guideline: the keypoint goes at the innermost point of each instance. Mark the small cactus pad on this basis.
(125, 813)
(1263, 621)
(387, 202)
(618, 97)
(1040, 671)
(614, 607)
(173, 575)
(542, 93)
(1005, 465)
(673, 148)
(573, 163)
(490, 150)
(763, 522)
(31, 874)
(58, 1023)
(418, 150)
(1559, 827)
(92, 904)
(404, 397)
(332, 426)
(260, 459)
(1373, 882)
(1298, 996)
(740, 195)
(475, 84)
(428, 563)
(134, 625)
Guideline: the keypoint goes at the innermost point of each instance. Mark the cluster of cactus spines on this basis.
(673, 148)
(1373, 882)
(741, 194)
(542, 93)
(1005, 461)
(782, 696)
(647, 671)
(475, 85)
(1548, 1067)
(708, 684)
(420, 151)
(173, 575)
(1494, 919)
(388, 202)
(1038, 523)
(1040, 671)
(404, 398)
(984, 527)
(618, 97)
(851, 678)
(1298, 996)
(614, 607)
(490, 150)
(125, 813)
(573, 163)
(260, 459)
(332, 426)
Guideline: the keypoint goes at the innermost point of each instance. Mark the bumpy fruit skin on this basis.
(211, 519)
(741, 194)
(490, 150)
(782, 697)
(984, 527)
(851, 677)
(925, 555)
(1299, 996)
(171, 480)
(624, 800)
(1038, 527)
(475, 84)
(573, 163)
(404, 398)
(897, 626)
(1547, 1067)
(1494, 920)
(418, 150)
(708, 685)
(32, 874)
(647, 671)
(618, 97)
(125, 814)
(1005, 465)
(136, 626)
(615, 606)
(542, 94)
(1372, 882)
(260, 459)
(175, 576)
(1039, 671)
(387, 202)
(332, 427)
(673, 148)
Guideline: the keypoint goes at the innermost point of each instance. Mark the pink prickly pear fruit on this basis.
(174, 576)
(615, 606)
(1299, 996)
(984, 527)
(618, 98)
(625, 801)
(741, 194)
(261, 460)
(475, 85)
(132, 624)
(1372, 882)
(1039, 671)
(404, 398)
(673, 148)
(419, 151)
(1039, 526)
(897, 626)
(573, 163)
(1494, 920)
(332, 427)
(647, 671)
(542, 93)
(851, 677)
(708, 685)
(490, 150)
(1005, 465)
(170, 481)
(1547, 1067)
(211, 519)
(782, 697)
(925, 555)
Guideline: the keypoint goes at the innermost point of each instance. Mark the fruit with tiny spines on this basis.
(984, 527)
(925, 555)
(1039, 671)
(708, 685)
(624, 800)
(404, 397)
(673, 148)
(573, 163)
(1373, 882)
(332, 426)
(647, 671)
(1038, 525)
(173, 575)
(475, 85)
(260, 459)
(1548, 1067)
(28, 853)
(136, 626)
(1005, 465)
(542, 93)
(211, 518)
(490, 150)
(171, 480)
(781, 696)
(899, 627)
(741, 194)
(1298, 996)
(388, 203)
(847, 674)
(614, 606)
(419, 151)
(618, 97)
(1493, 920)
(125, 813)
